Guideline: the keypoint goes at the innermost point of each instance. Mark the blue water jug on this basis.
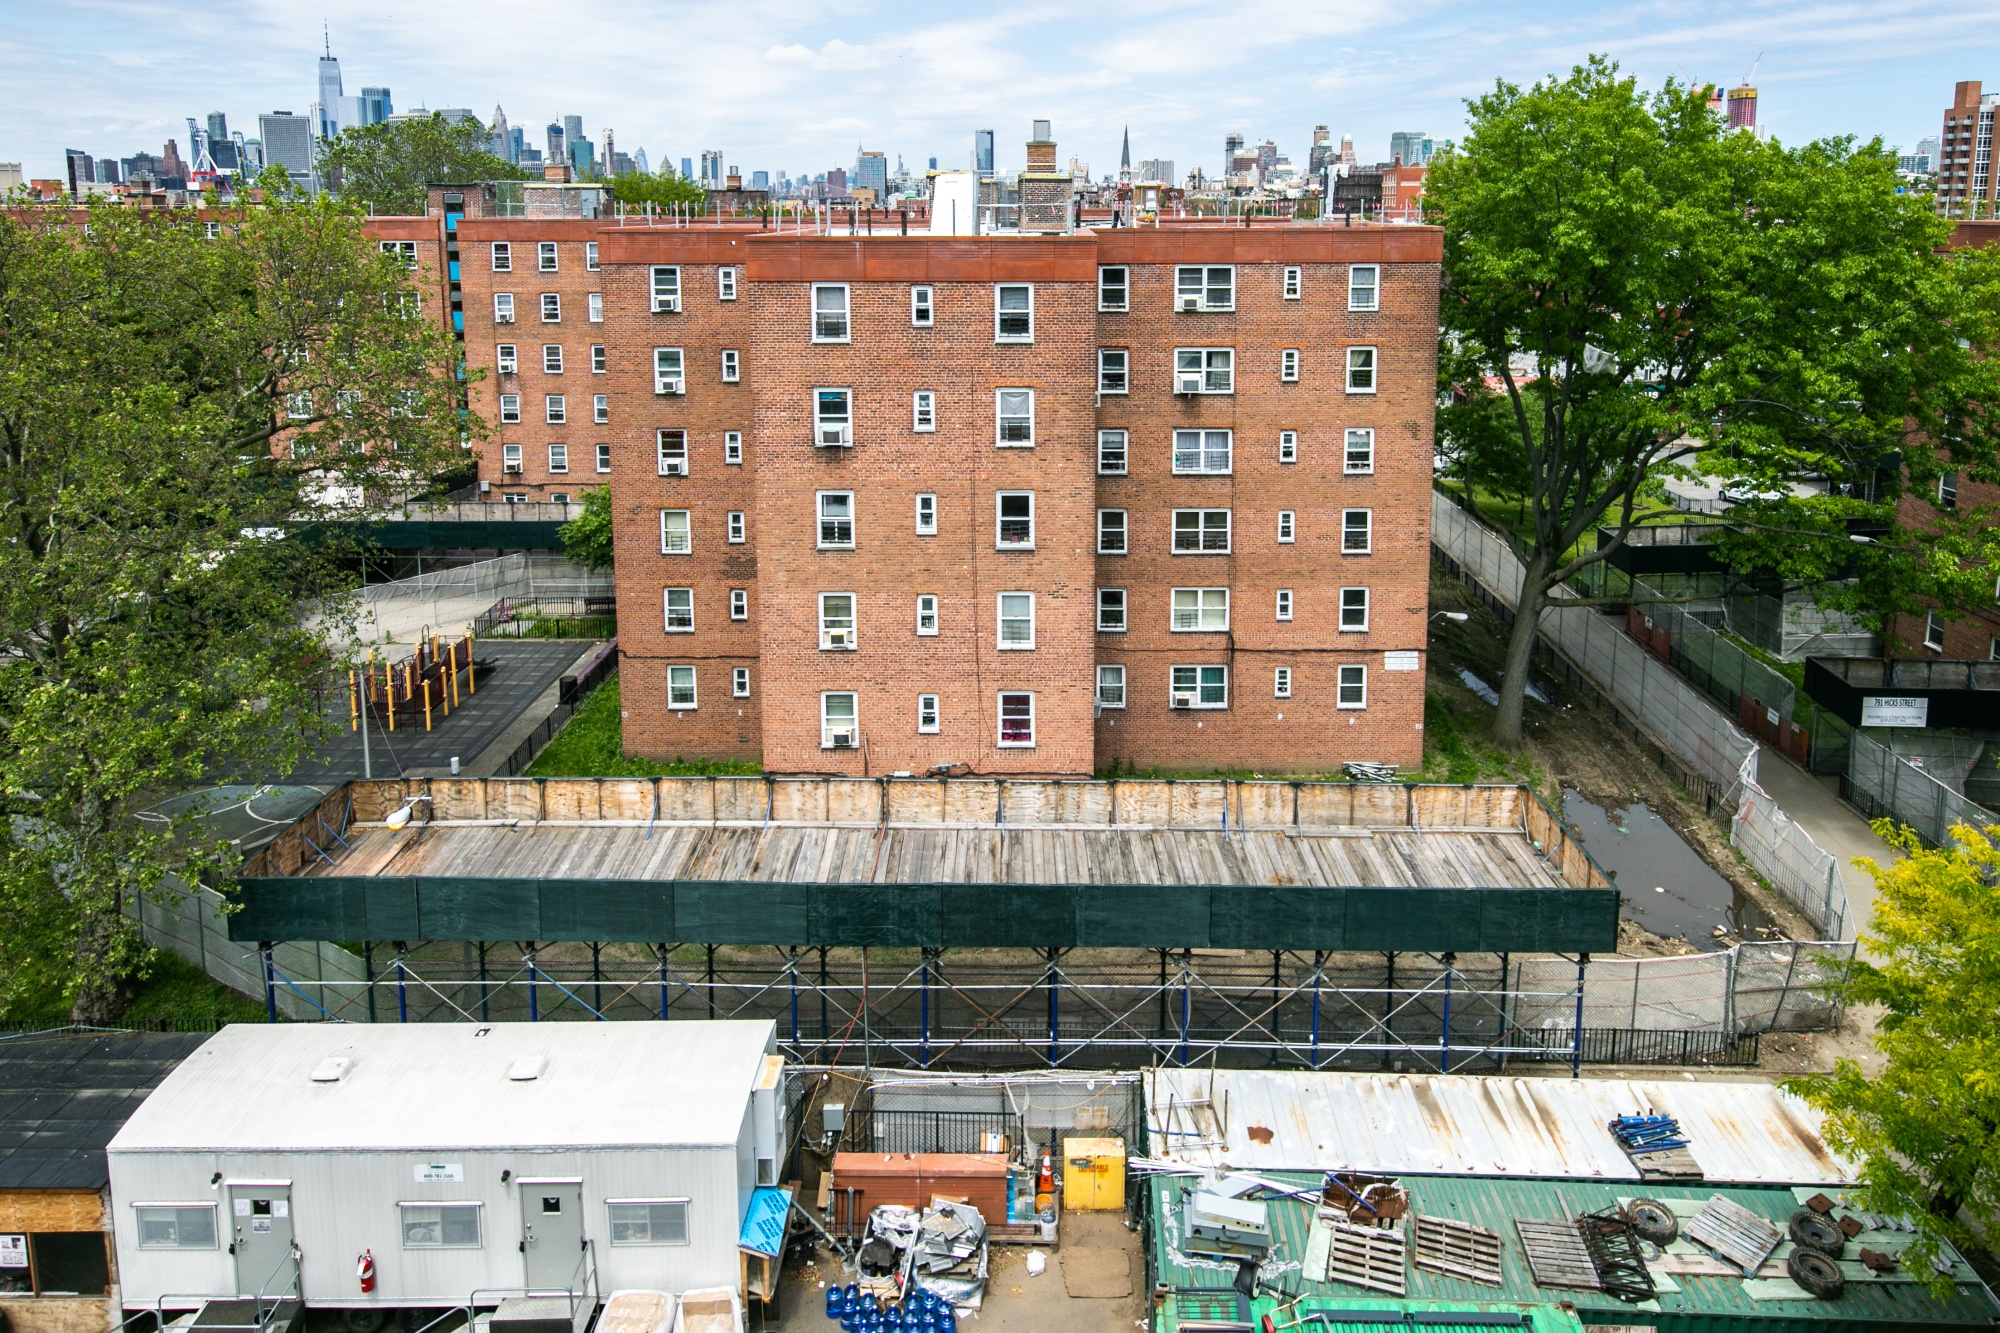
(836, 1301)
(947, 1319)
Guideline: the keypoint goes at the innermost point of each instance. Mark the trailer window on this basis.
(176, 1226)
(649, 1222)
(440, 1226)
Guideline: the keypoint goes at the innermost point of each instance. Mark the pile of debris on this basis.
(1657, 1146)
(944, 1250)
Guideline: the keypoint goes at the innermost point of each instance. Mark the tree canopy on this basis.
(586, 538)
(1631, 290)
(172, 401)
(385, 167)
(1926, 1128)
(663, 190)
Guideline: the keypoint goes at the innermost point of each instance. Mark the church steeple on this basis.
(1125, 153)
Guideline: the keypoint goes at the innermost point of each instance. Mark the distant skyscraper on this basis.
(505, 145)
(1410, 147)
(218, 126)
(982, 152)
(687, 168)
(760, 180)
(287, 143)
(375, 106)
(639, 163)
(572, 129)
(933, 164)
(558, 150)
(1322, 150)
(81, 170)
(836, 183)
(711, 168)
(871, 171)
(1232, 144)
(1156, 171)
(1743, 108)
(329, 93)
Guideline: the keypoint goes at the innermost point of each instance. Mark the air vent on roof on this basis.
(527, 1067)
(332, 1069)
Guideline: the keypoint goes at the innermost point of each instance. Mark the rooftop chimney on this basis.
(1042, 149)
(558, 172)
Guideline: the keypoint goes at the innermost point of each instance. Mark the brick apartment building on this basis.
(1966, 184)
(1007, 504)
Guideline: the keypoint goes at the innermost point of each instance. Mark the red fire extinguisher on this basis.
(365, 1270)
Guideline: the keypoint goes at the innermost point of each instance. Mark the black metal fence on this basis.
(938, 1131)
(548, 618)
(1646, 1046)
(571, 691)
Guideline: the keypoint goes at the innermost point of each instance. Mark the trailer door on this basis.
(260, 1236)
(552, 1239)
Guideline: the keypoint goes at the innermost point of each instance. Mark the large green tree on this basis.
(663, 190)
(1630, 288)
(1926, 1128)
(176, 391)
(384, 168)
(586, 538)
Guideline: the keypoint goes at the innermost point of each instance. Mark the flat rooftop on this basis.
(64, 1094)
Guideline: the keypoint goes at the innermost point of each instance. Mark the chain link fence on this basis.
(450, 600)
(1754, 987)
(1883, 783)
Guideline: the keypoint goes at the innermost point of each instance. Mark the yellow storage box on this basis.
(1094, 1175)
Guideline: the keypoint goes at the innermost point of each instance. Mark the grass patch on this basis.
(572, 627)
(592, 745)
(167, 986)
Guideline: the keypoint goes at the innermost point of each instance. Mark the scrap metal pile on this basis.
(943, 1251)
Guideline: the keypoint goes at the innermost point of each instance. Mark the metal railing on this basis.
(571, 691)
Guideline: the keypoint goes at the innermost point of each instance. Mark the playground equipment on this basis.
(426, 682)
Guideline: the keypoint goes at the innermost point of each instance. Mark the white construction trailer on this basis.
(467, 1163)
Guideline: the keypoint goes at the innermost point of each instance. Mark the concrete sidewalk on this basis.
(1834, 824)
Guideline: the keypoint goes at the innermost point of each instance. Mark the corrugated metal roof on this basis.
(1495, 1204)
(424, 1086)
(1740, 1132)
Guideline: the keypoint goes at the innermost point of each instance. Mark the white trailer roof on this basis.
(425, 1086)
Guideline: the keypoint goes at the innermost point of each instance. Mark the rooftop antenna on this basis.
(326, 33)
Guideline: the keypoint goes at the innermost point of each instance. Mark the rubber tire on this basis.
(366, 1319)
(1811, 1231)
(1652, 1220)
(1815, 1272)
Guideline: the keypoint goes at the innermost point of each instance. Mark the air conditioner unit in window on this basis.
(674, 467)
(669, 305)
(1188, 383)
(1190, 304)
(840, 740)
(668, 386)
(834, 437)
(1183, 699)
(506, 318)
(511, 468)
(840, 638)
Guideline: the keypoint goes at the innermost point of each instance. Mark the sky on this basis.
(797, 86)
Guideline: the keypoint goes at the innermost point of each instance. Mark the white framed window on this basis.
(680, 688)
(1947, 490)
(732, 366)
(927, 715)
(836, 520)
(598, 362)
(545, 256)
(732, 447)
(1284, 603)
(739, 603)
(836, 622)
(1359, 456)
(736, 527)
(922, 313)
(604, 458)
(1204, 370)
(1017, 720)
(1199, 687)
(510, 458)
(594, 307)
(555, 409)
(829, 312)
(1016, 616)
(1111, 532)
(175, 1226)
(503, 257)
(504, 359)
(674, 535)
(667, 371)
(1361, 370)
(739, 683)
(558, 458)
(1295, 282)
(833, 417)
(1353, 689)
(552, 359)
(1934, 631)
(1364, 283)
(1014, 520)
(1111, 448)
(666, 288)
(1110, 610)
(1281, 685)
(1287, 527)
(1199, 287)
(837, 719)
(1993, 650)
(649, 1221)
(1357, 531)
(551, 307)
(1200, 610)
(1203, 451)
(600, 409)
(503, 307)
(1288, 365)
(679, 606)
(510, 408)
(923, 410)
(1114, 370)
(725, 283)
(672, 449)
(1288, 446)
(1111, 687)
(1353, 610)
(590, 256)
(1013, 313)
(927, 515)
(927, 614)
(1201, 532)
(1114, 287)
(558, 497)
(1014, 418)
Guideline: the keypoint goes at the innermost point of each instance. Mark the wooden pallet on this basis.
(1367, 1257)
(1733, 1233)
(1556, 1255)
(1673, 1164)
(1459, 1249)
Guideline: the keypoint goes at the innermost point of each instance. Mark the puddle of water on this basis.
(1667, 887)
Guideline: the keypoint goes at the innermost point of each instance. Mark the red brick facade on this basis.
(927, 581)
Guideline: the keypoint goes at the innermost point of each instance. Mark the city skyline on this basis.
(919, 85)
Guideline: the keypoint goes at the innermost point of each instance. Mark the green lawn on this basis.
(591, 745)
(169, 988)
